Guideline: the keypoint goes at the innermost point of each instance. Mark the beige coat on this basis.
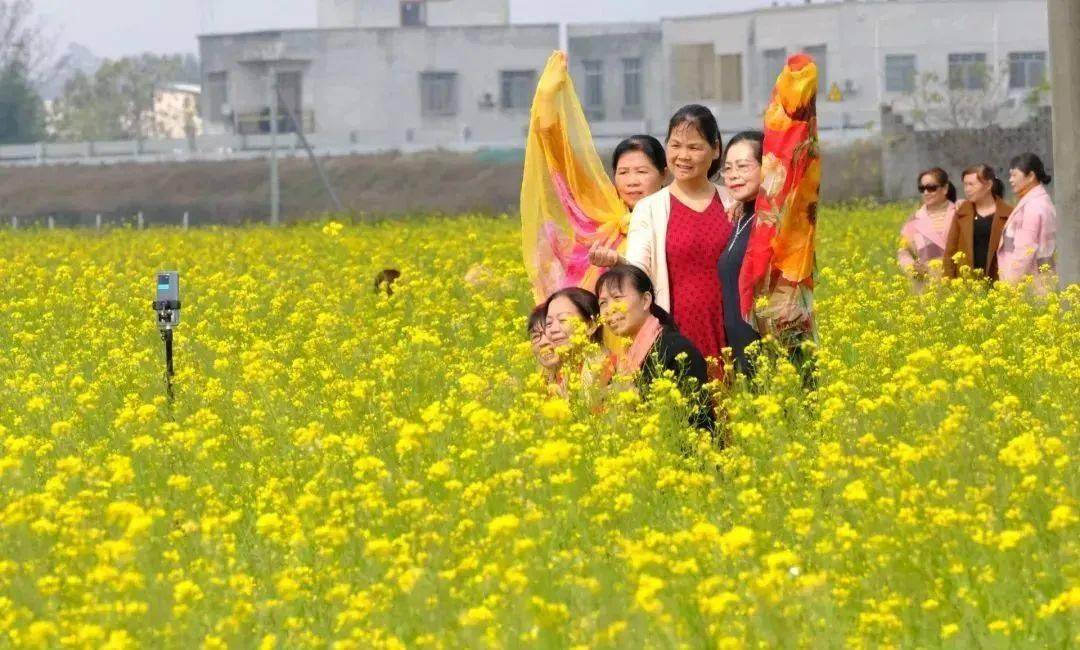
(646, 240)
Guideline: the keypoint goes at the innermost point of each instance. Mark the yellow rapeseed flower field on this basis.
(345, 469)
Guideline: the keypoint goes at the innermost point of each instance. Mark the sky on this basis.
(113, 28)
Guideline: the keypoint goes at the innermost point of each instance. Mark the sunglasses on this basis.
(929, 188)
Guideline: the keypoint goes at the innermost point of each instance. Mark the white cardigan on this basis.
(646, 240)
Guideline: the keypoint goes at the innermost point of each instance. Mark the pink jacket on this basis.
(923, 243)
(1029, 241)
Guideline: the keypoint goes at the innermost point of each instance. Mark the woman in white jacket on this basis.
(678, 234)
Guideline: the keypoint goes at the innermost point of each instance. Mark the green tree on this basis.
(117, 102)
(24, 53)
(22, 117)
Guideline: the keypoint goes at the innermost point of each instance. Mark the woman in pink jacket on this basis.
(1028, 244)
(924, 236)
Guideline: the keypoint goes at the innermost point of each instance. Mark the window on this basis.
(967, 71)
(1027, 69)
(730, 87)
(632, 105)
(290, 88)
(821, 58)
(695, 71)
(438, 94)
(594, 89)
(413, 13)
(772, 64)
(217, 95)
(517, 89)
(900, 73)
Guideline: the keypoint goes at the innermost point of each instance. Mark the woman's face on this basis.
(636, 177)
(689, 154)
(934, 193)
(624, 309)
(975, 188)
(563, 322)
(542, 348)
(742, 172)
(1021, 181)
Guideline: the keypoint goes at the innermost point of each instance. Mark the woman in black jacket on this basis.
(629, 311)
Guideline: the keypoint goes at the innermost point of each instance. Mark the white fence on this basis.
(139, 222)
(247, 147)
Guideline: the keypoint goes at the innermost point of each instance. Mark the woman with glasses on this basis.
(742, 176)
(924, 237)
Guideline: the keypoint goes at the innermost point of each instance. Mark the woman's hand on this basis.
(600, 255)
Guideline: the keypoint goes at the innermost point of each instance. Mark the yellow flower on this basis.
(1061, 517)
(555, 409)
(503, 525)
(855, 491)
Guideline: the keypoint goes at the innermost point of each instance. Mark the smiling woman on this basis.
(676, 234)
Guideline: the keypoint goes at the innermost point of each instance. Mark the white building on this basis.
(386, 73)
(411, 13)
(869, 54)
(176, 111)
(380, 84)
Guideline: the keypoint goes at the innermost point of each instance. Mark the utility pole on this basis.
(298, 129)
(1065, 71)
(275, 186)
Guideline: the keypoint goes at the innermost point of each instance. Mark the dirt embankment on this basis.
(383, 185)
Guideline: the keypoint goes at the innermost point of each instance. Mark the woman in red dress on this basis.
(677, 234)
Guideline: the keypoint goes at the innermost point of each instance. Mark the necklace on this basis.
(739, 228)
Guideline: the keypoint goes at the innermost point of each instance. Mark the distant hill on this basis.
(78, 58)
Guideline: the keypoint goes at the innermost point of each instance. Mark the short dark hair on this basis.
(986, 174)
(755, 138)
(587, 305)
(622, 275)
(647, 145)
(1029, 163)
(536, 318)
(704, 122)
(942, 177)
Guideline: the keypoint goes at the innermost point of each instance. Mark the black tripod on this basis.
(168, 315)
(167, 336)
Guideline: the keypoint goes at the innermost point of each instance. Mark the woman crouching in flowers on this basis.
(630, 311)
(572, 329)
(541, 345)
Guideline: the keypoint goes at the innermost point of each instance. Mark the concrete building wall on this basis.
(356, 75)
(857, 37)
(613, 49)
(907, 151)
(364, 85)
(387, 13)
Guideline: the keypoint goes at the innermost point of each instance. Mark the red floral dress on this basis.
(695, 241)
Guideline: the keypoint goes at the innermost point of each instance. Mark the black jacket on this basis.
(692, 373)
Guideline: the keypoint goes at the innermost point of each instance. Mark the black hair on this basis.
(704, 122)
(986, 174)
(647, 145)
(621, 275)
(588, 307)
(1029, 163)
(536, 318)
(942, 177)
(755, 138)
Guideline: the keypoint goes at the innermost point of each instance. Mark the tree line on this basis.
(113, 103)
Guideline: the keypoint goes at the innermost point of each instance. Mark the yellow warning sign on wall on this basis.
(835, 94)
